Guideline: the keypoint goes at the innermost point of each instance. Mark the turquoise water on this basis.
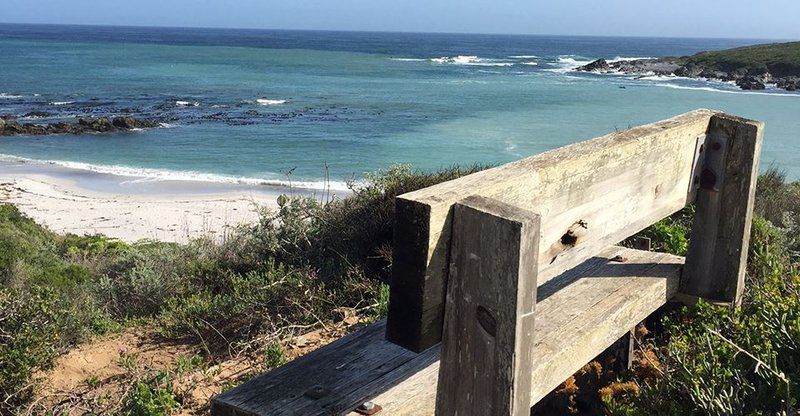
(273, 106)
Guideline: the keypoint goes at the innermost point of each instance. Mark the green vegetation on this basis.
(780, 59)
(290, 272)
(294, 269)
(718, 360)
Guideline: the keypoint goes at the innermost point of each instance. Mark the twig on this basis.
(778, 374)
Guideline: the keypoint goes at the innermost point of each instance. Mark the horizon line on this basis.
(389, 31)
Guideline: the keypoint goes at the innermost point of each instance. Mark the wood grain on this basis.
(720, 236)
(578, 315)
(589, 195)
(487, 347)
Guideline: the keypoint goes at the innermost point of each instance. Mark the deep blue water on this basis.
(266, 105)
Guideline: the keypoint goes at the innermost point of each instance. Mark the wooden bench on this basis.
(507, 281)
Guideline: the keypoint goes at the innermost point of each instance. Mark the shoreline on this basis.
(132, 208)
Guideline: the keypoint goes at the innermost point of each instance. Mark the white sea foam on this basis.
(625, 59)
(523, 56)
(654, 77)
(530, 63)
(265, 101)
(712, 89)
(408, 59)
(155, 175)
(187, 103)
(8, 96)
(460, 59)
(568, 63)
(61, 102)
(469, 60)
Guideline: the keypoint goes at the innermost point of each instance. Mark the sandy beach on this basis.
(130, 209)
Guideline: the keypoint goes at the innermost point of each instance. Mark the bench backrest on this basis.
(588, 196)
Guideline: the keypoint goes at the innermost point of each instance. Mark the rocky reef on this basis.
(9, 126)
(751, 68)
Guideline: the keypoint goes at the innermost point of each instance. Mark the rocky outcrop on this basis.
(599, 65)
(751, 82)
(9, 126)
(747, 78)
(789, 83)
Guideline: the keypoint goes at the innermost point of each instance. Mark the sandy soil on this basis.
(94, 378)
(64, 207)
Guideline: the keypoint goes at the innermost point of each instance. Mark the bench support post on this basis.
(487, 345)
(717, 257)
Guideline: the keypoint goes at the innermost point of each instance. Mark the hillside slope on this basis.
(779, 59)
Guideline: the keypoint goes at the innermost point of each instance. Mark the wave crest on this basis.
(469, 60)
(265, 101)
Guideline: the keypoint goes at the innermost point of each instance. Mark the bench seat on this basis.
(578, 315)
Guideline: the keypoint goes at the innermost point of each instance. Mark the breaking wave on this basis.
(265, 101)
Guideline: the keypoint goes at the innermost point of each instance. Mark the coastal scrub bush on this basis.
(354, 231)
(719, 360)
(778, 201)
(293, 269)
(138, 281)
(153, 396)
(296, 266)
(37, 325)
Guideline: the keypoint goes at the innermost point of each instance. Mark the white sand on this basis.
(66, 208)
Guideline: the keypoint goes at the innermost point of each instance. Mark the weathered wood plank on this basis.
(720, 235)
(589, 195)
(487, 345)
(578, 315)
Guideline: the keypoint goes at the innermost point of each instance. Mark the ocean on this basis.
(274, 107)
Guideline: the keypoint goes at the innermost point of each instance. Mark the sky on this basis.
(767, 19)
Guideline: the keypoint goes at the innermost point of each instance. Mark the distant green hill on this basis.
(780, 59)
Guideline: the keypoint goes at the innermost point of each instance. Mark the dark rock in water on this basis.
(599, 65)
(37, 114)
(789, 83)
(689, 71)
(101, 124)
(130, 123)
(11, 127)
(750, 83)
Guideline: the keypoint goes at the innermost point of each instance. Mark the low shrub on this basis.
(153, 396)
(298, 265)
(720, 360)
(36, 326)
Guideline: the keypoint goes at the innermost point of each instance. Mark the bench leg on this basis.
(717, 258)
(487, 344)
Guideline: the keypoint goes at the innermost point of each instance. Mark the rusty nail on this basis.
(368, 408)
(619, 259)
(716, 146)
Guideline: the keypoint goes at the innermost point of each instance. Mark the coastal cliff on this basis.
(750, 67)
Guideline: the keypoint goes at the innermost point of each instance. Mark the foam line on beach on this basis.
(712, 89)
(155, 174)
